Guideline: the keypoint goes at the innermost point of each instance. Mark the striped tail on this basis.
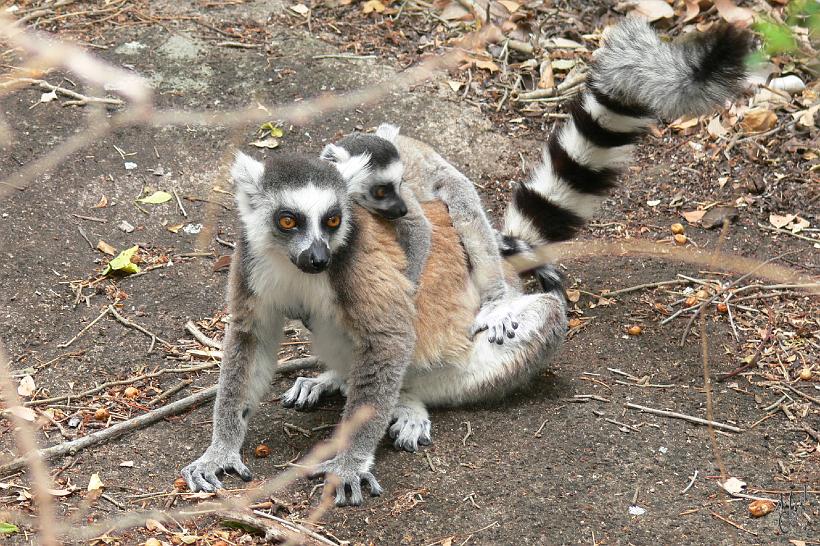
(635, 78)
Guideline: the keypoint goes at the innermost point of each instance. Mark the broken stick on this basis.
(683, 416)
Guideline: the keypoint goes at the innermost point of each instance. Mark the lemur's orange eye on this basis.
(287, 222)
(334, 221)
(379, 192)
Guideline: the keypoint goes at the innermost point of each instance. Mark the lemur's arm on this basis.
(414, 233)
(248, 364)
(380, 315)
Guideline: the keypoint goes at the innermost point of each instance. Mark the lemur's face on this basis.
(380, 193)
(295, 205)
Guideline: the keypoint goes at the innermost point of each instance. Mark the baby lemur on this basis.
(374, 170)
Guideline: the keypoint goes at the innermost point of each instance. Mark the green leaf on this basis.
(122, 263)
(8, 528)
(777, 38)
(156, 198)
(272, 129)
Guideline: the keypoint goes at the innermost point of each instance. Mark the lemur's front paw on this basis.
(349, 475)
(306, 391)
(409, 430)
(499, 321)
(201, 475)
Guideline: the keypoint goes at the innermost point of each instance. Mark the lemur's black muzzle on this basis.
(315, 258)
(394, 210)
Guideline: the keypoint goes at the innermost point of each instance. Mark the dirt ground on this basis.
(546, 465)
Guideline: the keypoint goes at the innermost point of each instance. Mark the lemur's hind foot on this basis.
(307, 391)
(410, 427)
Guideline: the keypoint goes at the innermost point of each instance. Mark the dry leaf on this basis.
(694, 216)
(372, 5)
(486, 65)
(681, 124)
(223, 262)
(781, 221)
(652, 10)
(94, 482)
(799, 225)
(758, 120)
(573, 295)
(716, 128)
(175, 228)
(456, 12)
(27, 386)
(59, 492)
(105, 248)
(510, 5)
(154, 525)
(733, 14)
(268, 142)
(547, 78)
(301, 9)
(102, 203)
(806, 117)
(454, 85)
(692, 10)
(733, 486)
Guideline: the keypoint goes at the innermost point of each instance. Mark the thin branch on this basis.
(675, 415)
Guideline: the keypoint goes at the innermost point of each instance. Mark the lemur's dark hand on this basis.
(201, 475)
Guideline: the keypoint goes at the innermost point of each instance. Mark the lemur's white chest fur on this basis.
(285, 290)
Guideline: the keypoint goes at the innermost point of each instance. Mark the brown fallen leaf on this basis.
(223, 262)
(486, 65)
(652, 10)
(715, 217)
(716, 128)
(175, 228)
(694, 216)
(573, 295)
(105, 248)
(761, 507)
(779, 221)
(27, 386)
(372, 6)
(731, 13)
(692, 10)
(102, 203)
(758, 120)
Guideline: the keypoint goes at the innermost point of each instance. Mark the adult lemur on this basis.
(305, 251)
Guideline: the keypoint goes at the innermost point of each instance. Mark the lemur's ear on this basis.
(388, 132)
(335, 154)
(355, 170)
(247, 174)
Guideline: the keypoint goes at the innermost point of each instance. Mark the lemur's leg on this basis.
(481, 244)
(306, 391)
(249, 362)
(414, 232)
(490, 369)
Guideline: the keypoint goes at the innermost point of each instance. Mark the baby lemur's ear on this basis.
(247, 174)
(335, 154)
(388, 132)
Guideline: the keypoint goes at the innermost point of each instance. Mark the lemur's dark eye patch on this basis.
(381, 191)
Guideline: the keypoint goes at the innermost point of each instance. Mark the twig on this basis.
(179, 203)
(84, 330)
(238, 44)
(113, 501)
(801, 393)
(787, 232)
(469, 433)
(122, 320)
(553, 91)
(691, 483)
(683, 416)
(115, 431)
(733, 524)
(642, 286)
(84, 236)
(426, 456)
(56, 423)
(538, 432)
(169, 392)
(272, 534)
(297, 527)
(90, 218)
(346, 57)
(79, 99)
(618, 423)
(201, 337)
(128, 381)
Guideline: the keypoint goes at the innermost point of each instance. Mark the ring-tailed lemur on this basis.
(374, 170)
(344, 269)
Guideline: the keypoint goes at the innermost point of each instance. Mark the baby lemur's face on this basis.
(373, 168)
(293, 205)
(380, 192)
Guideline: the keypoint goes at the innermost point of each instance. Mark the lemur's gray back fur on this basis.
(635, 78)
